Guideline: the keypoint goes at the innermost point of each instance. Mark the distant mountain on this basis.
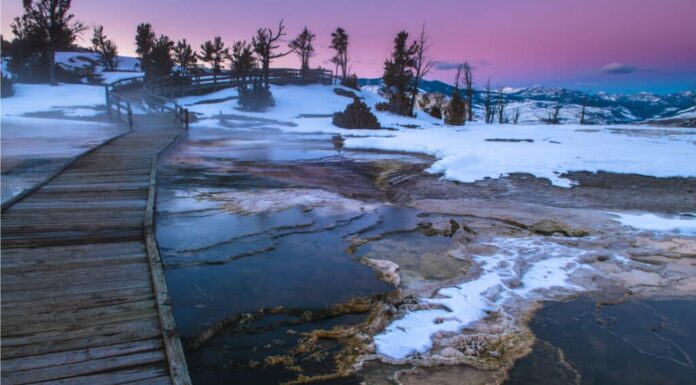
(535, 102)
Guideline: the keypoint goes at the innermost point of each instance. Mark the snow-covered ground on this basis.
(477, 151)
(33, 148)
(521, 270)
(73, 99)
(684, 225)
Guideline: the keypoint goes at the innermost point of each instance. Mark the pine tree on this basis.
(398, 74)
(144, 40)
(455, 113)
(51, 22)
(159, 59)
(303, 47)
(242, 60)
(184, 57)
(339, 42)
(214, 53)
(107, 50)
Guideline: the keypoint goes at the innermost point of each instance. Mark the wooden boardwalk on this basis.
(78, 301)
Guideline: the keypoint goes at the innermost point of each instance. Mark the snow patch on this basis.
(651, 222)
(524, 269)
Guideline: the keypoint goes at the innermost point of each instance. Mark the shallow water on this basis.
(228, 250)
(635, 342)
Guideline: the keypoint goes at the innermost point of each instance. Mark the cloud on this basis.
(618, 69)
(445, 65)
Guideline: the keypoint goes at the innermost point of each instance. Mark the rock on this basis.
(549, 227)
(450, 352)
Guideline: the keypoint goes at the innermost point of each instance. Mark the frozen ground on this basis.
(520, 270)
(73, 100)
(476, 151)
(33, 148)
(685, 225)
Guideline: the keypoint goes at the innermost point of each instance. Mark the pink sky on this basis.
(514, 42)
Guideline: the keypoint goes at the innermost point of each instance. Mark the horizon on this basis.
(572, 45)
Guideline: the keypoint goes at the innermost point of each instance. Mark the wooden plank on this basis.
(79, 302)
(81, 355)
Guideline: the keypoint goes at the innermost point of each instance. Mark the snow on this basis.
(89, 59)
(110, 77)
(464, 154)
(73, 99)
(542, 267)
(685, 225)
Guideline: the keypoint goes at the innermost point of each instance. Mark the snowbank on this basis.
(477, 151)
(652, 222)
(70, 98)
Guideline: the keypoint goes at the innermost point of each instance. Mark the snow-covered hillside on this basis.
(89, 62)
(475, 151)
(535, 102)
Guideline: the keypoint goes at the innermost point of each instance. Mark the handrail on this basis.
(161, 93)
(115, 103)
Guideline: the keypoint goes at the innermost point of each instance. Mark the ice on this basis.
(541, 268)
(682, 225)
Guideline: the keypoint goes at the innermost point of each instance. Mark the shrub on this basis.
(255, 98)
(455, 113)
(382, 106)
(435, 112)
(356, 115)
(351, 82)
(346, 93)
(7, 87)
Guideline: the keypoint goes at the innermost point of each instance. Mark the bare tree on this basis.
(553, 115)
(500, 102)
(516, 115)
(422, 65)
(265, 42)
(489, 109)
(469, 86)
(303, 47)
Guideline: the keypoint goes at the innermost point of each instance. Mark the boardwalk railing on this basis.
(117, 105)
(160, 94)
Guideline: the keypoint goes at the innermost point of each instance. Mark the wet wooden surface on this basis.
(78, 301)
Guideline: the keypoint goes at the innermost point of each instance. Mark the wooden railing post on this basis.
(130, 117)
(108, 100)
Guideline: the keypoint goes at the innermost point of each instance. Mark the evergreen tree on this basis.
(303, 47)
(184, 57)
(242, 60)
(339, 42)
(51, 23)
(214, 53)
(107, 50)
(144, 40)
(455, 113)
(159, 60)
(398, 74)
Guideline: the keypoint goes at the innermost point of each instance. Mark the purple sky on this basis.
(610, 45)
